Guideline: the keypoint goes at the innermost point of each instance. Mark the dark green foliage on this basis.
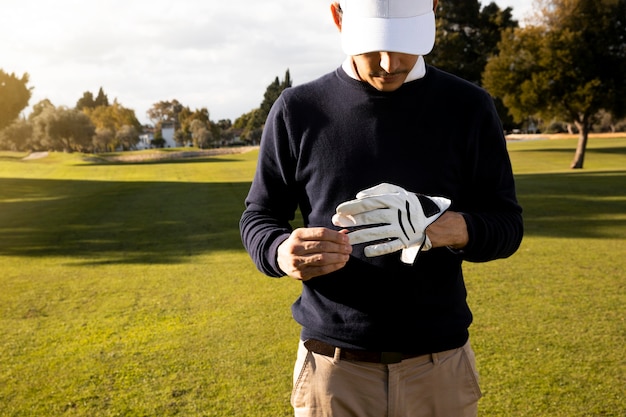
(14, 96)
(252, 123)
(467, 36)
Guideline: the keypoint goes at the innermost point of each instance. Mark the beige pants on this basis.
(442, 384)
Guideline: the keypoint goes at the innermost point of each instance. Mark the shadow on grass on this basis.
(609, 151)
(574, 205)
(617, 150)
(12, 158)
(91, 161)
(100, 222)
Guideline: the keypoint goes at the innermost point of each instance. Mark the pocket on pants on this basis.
(473, 378)
(301, 377)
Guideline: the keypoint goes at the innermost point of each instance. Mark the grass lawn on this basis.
(126, 292)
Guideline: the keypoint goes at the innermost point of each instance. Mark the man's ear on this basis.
(435, 2)
(336, 11)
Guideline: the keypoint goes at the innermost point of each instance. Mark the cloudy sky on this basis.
(215, 54)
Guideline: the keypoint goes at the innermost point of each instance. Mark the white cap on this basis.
(406, 26)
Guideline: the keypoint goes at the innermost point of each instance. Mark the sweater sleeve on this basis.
(492, 235)
(491, 210)
(271, 202)
(262, 235)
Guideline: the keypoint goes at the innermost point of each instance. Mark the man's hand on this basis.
(311, 252)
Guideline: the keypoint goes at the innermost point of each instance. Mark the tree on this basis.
(17, 136)
(184, 134)
(252, 122)
(113, 117)
(226, 131)
(271, 95)
(40, 107)
(158, 140)
(456, 47)
(224, 124)
(63, 129)
(101, 99)
(467, 36)
(86, 101)
(104, 139)
(14, 97)
(200, 134)
(251, 125)
(127, 137)
(569, 65)
(165, 112)
(492, 21)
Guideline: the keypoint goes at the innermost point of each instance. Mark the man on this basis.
(401, 173)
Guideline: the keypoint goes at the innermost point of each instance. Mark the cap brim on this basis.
(413, 35)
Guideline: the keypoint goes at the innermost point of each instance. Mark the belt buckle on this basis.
(388, 358)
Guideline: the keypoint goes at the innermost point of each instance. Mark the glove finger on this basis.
(363, 219)
(383, 248)
(341, 220)
(366, 204)
(379, 189)
(372, 234)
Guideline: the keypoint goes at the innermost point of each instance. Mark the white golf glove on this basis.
(393, 215)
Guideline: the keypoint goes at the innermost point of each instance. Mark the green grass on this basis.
(126, 292)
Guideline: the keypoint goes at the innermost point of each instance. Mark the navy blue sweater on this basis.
(326, 140)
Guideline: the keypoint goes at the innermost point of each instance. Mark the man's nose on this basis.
(388, 61)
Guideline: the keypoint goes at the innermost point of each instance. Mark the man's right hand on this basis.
(311, 252)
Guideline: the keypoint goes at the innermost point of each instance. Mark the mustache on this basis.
(383, 73)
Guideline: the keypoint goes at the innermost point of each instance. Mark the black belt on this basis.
(385, 358)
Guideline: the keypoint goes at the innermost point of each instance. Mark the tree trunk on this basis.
(583, 137)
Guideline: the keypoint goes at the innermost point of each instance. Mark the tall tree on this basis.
(14, 96)
(272, 93)
(287, 83)
(569, 65)
(252, 122)
(467, 36)
(101, 99)
(86, 101)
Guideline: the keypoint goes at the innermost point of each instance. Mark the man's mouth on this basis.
(389, 76)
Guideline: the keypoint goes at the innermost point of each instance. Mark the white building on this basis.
(167, 132)
(147, 136)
